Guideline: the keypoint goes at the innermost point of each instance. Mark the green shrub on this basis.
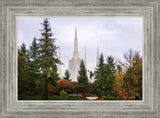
(74, 97)
(108, 98)
(63, 94)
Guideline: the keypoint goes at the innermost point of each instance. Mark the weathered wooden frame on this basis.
(11, 107)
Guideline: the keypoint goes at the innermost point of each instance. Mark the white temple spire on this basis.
(97, 60)
(85, 59)
(76, 52)
(74, 62)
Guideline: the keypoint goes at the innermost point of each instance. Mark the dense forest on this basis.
(38, 78)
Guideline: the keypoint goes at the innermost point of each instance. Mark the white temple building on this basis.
(97, 58)
(74, 62)
(59, 68)
(88, 72)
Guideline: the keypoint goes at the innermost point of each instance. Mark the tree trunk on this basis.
(46, 90)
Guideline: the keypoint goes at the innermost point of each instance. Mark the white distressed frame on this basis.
(11, 107)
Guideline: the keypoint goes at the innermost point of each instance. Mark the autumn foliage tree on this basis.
(63, 84)
(25, 82)
(68, 86)
(118, 89)
(23, 73)
(133, 78)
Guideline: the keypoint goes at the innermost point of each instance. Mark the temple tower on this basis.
(85, 59)
(76, 52)
(87, 71)
(97, 59)
(74, 62)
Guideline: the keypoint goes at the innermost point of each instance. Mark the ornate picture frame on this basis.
(11, 107)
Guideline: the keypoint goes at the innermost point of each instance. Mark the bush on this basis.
(69, 87)
(108, 98)
(63, 93)
(74, 97)
(53, 89)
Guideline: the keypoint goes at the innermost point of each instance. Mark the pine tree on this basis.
(100, 77)
(47, 52)
(23, 48)
(104, 76)
(110, 70)
(33, 65)
(33, 49)
(25, 52)
(67, 76)
(82, 77)
(91, 74)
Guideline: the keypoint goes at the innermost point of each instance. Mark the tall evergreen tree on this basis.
(100, 77)
(67, 76)
(91, 74)
(33, 50)
(82, 77)
(47, 52)
(104, 76)
(110, 70)
(23, 48)
(25, 52)
(33, 64)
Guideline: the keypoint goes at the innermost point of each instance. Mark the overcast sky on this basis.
(113, 35)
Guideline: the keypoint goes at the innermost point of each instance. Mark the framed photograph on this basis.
(79, 58)
(93, 58)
